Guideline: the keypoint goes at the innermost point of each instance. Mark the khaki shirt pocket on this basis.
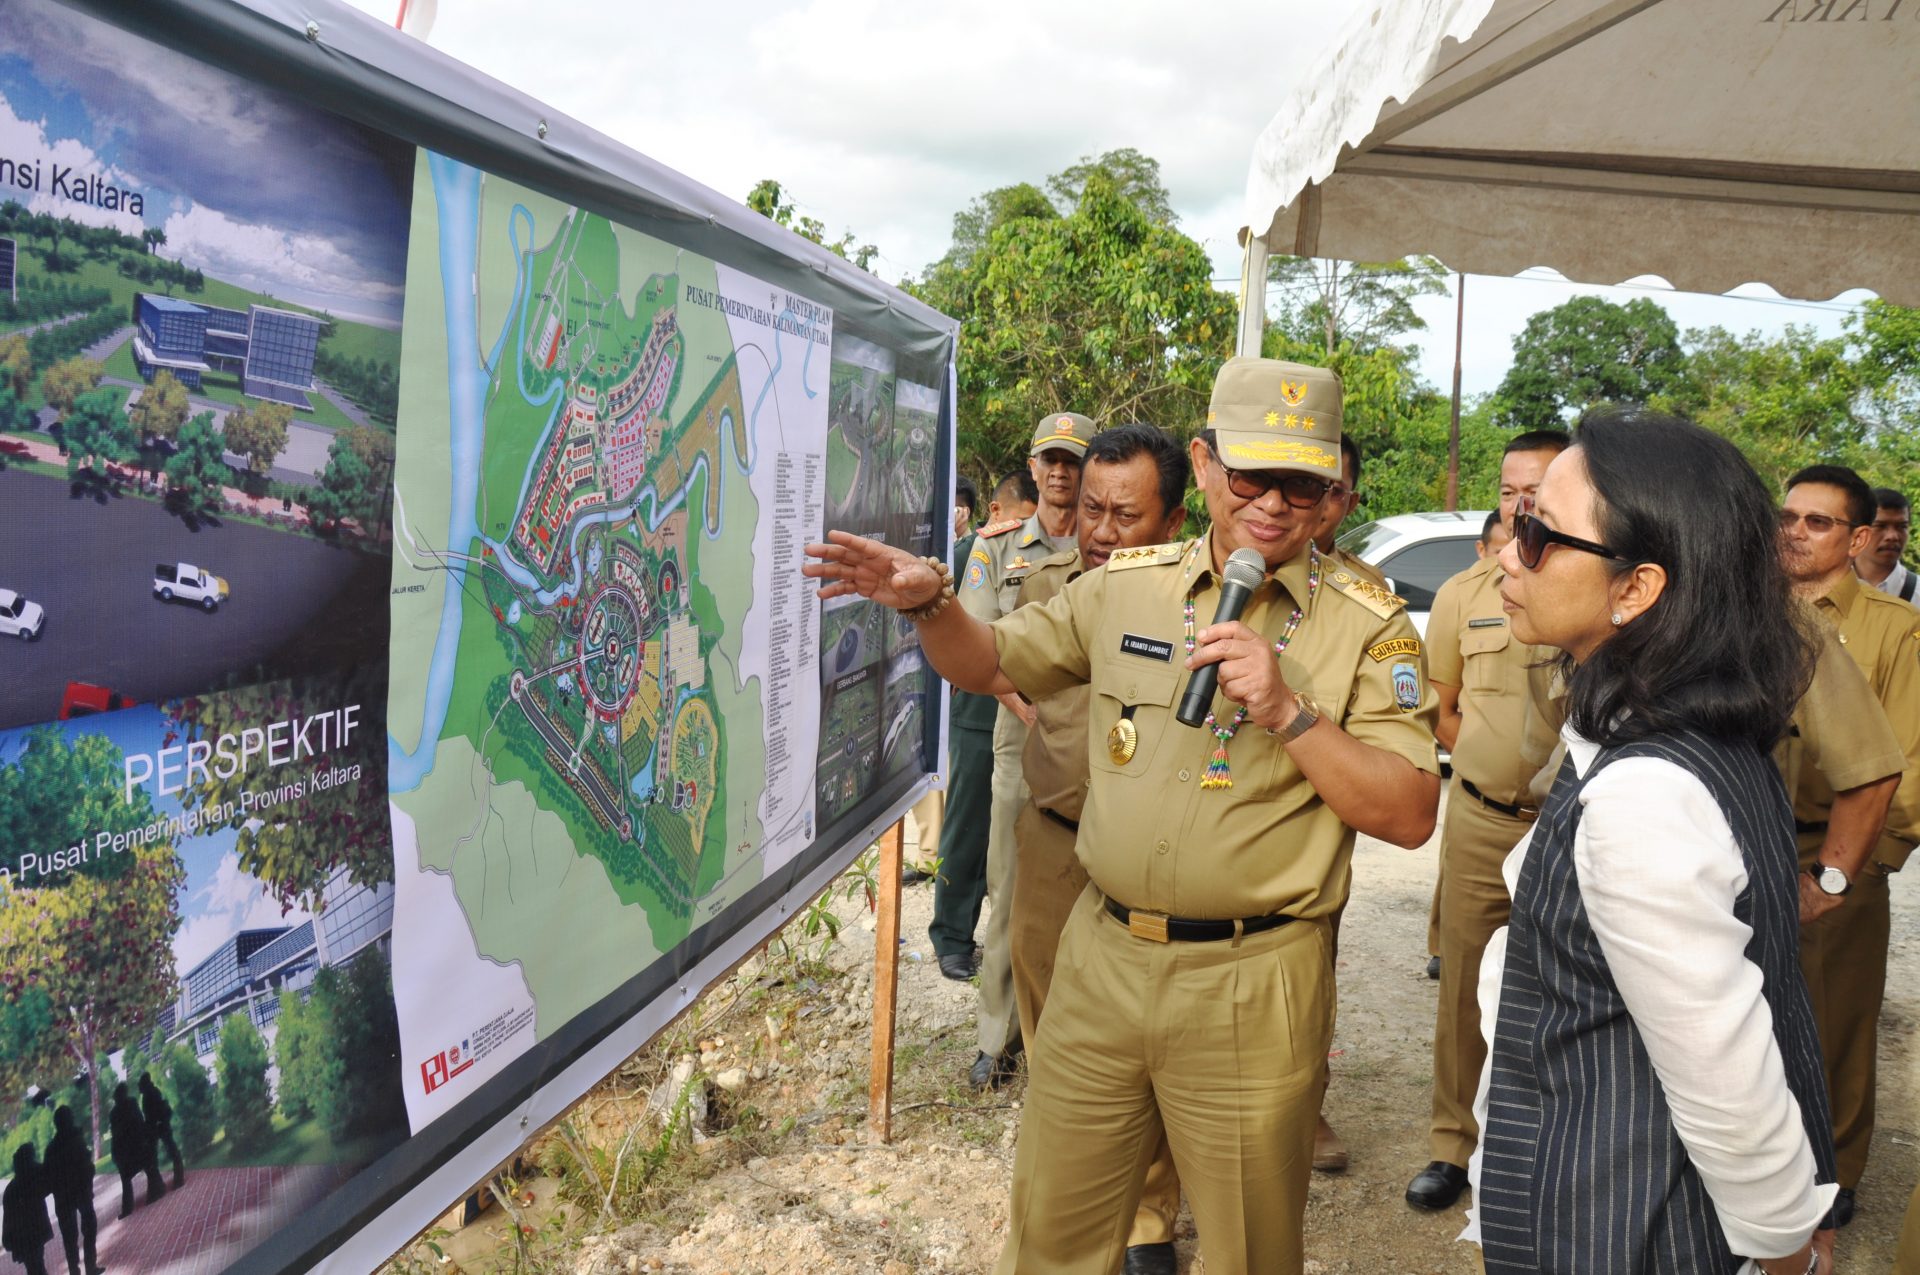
(1009, 596)
(1143, 696)
(1483, 654)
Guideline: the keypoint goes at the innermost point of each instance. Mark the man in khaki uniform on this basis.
(1003, 555)
(1480, 675)
(1827, 517)
(1132, 489)
(1192, 991)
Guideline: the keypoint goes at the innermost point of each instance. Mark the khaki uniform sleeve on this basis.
(1843, 729)
(1901, 698)
(978, 587)
(1043, 647)
(1444, 661)
(1393, 705)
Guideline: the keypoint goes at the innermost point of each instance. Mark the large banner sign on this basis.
(409, 696)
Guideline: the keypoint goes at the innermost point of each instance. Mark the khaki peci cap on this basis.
(1068, 431)
(1272, 415)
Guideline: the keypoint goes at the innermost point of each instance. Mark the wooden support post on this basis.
(886, 985)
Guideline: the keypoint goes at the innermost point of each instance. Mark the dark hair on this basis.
(1722, 652)
(1888, 498)
(1539, 440)
(1018, 485)
(1860, 502)
(1122, 443)
(1486, 528)
(63, 1117)
(1350, 451)
(965, 493)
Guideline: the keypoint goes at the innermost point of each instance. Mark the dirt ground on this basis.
(820, 1199)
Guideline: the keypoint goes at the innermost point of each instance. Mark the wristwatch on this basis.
(1830, 879)
(1308, 713)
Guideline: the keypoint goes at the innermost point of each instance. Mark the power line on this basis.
(1831, 307)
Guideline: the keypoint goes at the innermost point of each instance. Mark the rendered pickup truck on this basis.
(188, 583)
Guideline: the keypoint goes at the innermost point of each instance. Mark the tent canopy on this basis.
(1710, 142)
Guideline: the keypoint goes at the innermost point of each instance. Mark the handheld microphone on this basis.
(1244, 571)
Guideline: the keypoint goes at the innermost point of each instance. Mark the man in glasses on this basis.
(1879, 563)
(1825, 520)
(1480, 674)
(1002, 557)
(1192, 991)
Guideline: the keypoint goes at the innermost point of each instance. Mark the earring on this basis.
(1617, 621)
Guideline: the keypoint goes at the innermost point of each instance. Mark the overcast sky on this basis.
(886, 118)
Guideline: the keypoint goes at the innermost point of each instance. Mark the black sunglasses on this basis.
(1531, 538)
(1301, 491)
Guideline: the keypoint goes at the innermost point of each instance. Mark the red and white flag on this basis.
(416, 17)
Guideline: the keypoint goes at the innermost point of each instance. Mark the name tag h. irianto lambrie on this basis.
(1149, 648)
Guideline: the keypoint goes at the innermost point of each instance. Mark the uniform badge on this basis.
(1019, 563)
(1406, 687)
(1122, 740)
(976, 573)
(1295, 392)
(1393, 646)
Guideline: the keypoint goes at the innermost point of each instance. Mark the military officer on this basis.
(1481, 676)
(1827, 517)
(1003, 556)
(1132, 489)
(1192, 991)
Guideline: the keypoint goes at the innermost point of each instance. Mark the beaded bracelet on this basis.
(940, 601)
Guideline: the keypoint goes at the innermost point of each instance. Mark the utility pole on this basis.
(1453, 428)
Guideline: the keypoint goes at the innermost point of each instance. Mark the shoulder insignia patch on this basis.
(1000, 528)
(1393, 646)
(1367, 594)
(1145, 556)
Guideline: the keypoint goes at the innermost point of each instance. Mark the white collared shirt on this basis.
(1896, 581)
(1659, 872)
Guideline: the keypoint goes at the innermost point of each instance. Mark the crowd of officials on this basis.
(1683, 719)
(64, 1175)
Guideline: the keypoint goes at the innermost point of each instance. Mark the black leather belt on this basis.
(1173, 929)
(1510, 811)
(1071, 825)
(1804, 828)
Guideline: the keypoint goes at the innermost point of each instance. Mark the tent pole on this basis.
(1453, 429)
(1253, 297)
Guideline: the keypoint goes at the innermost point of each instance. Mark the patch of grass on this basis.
(301, 1142)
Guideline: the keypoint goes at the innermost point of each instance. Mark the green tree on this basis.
(770, 200)
(1354, 303)
(246, 1107)
(1105, 311)
(63, 383)
(16, 363)
(162, 409)
(97, 939)
(259, 433)
(196, 1112)
(298, 1054)
(97, 433)
(356, 482)
(1584, 352)
(1134, 177)
(973, 226)
(326, 1074)
(197, 471)
(365, 1038)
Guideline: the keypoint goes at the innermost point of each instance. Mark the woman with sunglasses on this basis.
(1653, 1100)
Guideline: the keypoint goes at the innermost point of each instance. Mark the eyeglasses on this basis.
(1300, 491)
(1531, 538)
(1818, 524)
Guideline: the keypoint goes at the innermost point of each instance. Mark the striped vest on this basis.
(1581, 1171)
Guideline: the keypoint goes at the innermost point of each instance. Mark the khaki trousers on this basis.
(1047, 880)
(928, 814)
(1221, 1046)
(1844, 957)
(1906, 1258)
(1473, 904)
(998, 1022)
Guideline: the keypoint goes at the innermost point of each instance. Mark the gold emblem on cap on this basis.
(1122, 740)
(1273, 418)
(1212, 416)
(1295, 392)
(1065, 425)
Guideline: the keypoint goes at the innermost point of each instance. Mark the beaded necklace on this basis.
(1219, 773)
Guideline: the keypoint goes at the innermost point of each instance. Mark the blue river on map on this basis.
(457, 196)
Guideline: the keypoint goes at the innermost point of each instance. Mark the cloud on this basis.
(269, 259)
(232, 901)
(26, 141)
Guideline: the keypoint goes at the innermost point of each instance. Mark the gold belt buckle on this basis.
(1148, 925)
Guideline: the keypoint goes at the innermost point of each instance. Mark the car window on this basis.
(1418, 570)
(18, 605)
(1363, 541)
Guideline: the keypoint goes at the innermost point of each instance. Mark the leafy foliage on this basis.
(246, 1108)
(1360, 305)
(1587, 351)
(63, 383)
(196, 1114)
(258, 431)
(770, 200)
(197, 472)
(162, 408)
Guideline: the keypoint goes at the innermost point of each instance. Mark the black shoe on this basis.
(1433, 967)
(958, 966)
(914, 876)
(1437, 1186)
(989, 1072)
(1843, 1207)
(1151, 1259)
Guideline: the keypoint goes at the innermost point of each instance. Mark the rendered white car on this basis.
(19, 617)
(188, 583)
(1418, 553)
